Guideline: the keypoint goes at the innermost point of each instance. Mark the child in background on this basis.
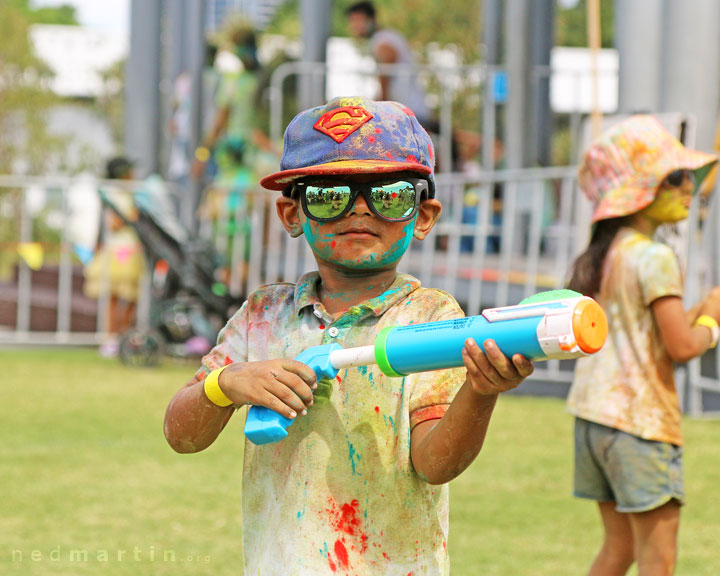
(119, 260)
(359, 485)
(628, 442)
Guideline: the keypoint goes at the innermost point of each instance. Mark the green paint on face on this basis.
(320, 244)
(397, 250)
(323, 246)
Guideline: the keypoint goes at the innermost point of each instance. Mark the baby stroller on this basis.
(188, 305)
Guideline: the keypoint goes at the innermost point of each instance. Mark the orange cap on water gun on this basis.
(589, 325)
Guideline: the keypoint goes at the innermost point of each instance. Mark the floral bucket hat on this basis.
(621, 172)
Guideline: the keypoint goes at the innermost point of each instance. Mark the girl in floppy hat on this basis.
(628, 442)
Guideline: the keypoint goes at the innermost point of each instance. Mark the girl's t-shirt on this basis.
(629, 384)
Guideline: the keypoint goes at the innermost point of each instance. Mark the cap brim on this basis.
(281, 180)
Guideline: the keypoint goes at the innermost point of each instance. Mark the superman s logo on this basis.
(341, 122)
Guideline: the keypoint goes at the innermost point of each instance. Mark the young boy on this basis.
(359, 484)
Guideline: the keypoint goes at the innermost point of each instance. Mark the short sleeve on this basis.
(432, 392)
(231, 344)
(659, 273)
(225, 94)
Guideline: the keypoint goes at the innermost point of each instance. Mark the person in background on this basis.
(236, 144)
(389, 47)
(119, 261)
(236, 135)
(628, 441)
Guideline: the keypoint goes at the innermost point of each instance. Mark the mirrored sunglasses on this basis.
(395, 200)
(677, 178)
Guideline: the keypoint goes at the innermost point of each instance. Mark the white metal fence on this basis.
(502, 236)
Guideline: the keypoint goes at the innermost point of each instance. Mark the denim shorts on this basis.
(613, 466)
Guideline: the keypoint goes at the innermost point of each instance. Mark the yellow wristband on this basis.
(711, 323)
(202, 153)
(212, 388)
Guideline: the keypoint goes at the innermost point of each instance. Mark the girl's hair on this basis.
(588, 267)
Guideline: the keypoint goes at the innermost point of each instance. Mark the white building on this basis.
(77, 56)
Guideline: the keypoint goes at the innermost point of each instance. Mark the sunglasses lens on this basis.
(394, 201)
(326, 201)
(676, 178)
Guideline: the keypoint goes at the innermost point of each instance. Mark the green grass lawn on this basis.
(85, 469)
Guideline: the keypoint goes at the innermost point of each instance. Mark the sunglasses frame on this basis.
(420, 185)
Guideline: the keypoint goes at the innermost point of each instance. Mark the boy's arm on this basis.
(192, 422)
(442, 449)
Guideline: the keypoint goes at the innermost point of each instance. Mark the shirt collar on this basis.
(404, 284)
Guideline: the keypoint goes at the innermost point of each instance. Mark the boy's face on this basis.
(359, 239)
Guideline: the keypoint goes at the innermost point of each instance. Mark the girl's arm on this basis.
(442, 449)
(683, 339)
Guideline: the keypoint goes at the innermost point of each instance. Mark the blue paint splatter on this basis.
(353, 456)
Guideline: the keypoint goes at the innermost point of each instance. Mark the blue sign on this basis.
(500, 87)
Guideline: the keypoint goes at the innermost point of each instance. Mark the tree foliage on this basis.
(63, 14)
(25, 96)
(571, 24)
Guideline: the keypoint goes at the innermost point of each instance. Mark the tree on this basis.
(24, 93)
(571, 25)
(63, 14)
(111, 102)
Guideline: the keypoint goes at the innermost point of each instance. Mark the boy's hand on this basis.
(492, 372)
(283, 386)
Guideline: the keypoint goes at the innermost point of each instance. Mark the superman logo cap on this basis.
(353, 135)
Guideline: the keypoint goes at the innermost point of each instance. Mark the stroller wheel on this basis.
(141, 348)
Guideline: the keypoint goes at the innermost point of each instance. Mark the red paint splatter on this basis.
(349, 520)
(228, 360)
(332, 565)
(411, 158)
(386, 556)
(322, 326)
(394, 194)
(377, 409)
(341, 553)
(346, 520)
(371, 139)
(378, 130)
(389, 155)
(332, 244)
(339, 379)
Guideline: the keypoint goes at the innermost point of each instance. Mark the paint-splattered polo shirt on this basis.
(629, 385)
(339, 495)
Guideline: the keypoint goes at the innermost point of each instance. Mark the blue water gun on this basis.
(558, 324)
